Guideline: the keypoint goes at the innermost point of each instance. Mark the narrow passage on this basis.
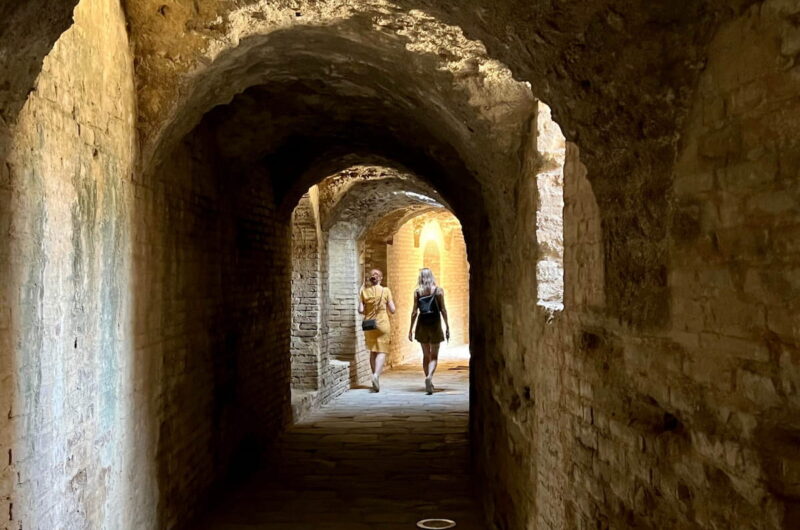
(368, 462)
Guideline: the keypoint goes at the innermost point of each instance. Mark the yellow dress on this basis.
(375, 299)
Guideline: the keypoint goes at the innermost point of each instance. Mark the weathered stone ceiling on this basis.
(612, 70)
(430, 85)
(362, 48)
(338, 192)
(330, 92)
(387, 226)
(365, 200)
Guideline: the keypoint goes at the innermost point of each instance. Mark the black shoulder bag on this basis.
(368, 324)
(428, 308)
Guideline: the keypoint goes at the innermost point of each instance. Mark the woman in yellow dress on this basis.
(374, 301)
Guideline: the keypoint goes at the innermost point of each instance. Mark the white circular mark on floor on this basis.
(435, 524)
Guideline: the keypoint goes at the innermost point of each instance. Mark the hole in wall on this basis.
(550, 146)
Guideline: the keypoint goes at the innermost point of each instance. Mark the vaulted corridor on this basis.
(194, 192)
(367, 462)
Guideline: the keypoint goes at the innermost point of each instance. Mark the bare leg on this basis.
(433, 361)
(376, 361)
(429, 357)
(379, 359)
(426, 357)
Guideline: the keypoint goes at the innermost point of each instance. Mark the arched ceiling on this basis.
(364, 196)
(319, 94)
(612, 70)
(362, 49)
(615, 72)
(384, 228)
(340, 191)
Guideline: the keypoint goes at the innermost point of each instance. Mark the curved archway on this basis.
(356, 210)
(153, 283)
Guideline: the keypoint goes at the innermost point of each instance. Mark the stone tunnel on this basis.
(191, 193)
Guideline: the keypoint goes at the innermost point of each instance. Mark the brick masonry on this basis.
(147, 310)
(685, 424)
(306, 291)
(212, 322)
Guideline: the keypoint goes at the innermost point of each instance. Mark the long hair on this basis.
(426, 284)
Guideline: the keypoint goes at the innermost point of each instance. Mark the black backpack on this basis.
(428, 309)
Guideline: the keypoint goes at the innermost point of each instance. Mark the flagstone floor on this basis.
(368, 461)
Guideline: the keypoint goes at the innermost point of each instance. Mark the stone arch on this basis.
(620, 83)
(637, 148)
(359, 208)
(255, 155)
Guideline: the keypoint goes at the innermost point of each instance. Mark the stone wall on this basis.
(683, 422)
(403, 266)
(456, 286)
(212, 295)
(376, 256)
(66, 362)
(147, 313)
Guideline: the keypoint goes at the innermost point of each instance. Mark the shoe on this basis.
(428, 386)
(376, 385)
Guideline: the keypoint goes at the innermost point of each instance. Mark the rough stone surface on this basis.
(66, 364)
(146, 191)
(668, 428)
(28, 31)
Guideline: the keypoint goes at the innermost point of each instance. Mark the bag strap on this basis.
(434, 294)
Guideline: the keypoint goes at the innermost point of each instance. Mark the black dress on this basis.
(429, 332)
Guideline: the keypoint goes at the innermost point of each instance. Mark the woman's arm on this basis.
(361, 302)
(413, 318)
(440, 299)
(390, 304)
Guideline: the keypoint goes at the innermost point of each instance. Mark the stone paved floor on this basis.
(368, 462)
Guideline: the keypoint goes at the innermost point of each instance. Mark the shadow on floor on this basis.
(377, 461)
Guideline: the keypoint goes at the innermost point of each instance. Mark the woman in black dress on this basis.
(429, 306)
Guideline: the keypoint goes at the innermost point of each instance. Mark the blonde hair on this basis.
(426, 282)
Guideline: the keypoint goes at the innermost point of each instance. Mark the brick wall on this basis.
(345, 340)
(375, 255)
(149, 318)
(688, 423)
(403, 264)
(306, 294)
(212, 335)
(456, 286)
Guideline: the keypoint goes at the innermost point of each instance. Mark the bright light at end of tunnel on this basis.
(431, 232)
